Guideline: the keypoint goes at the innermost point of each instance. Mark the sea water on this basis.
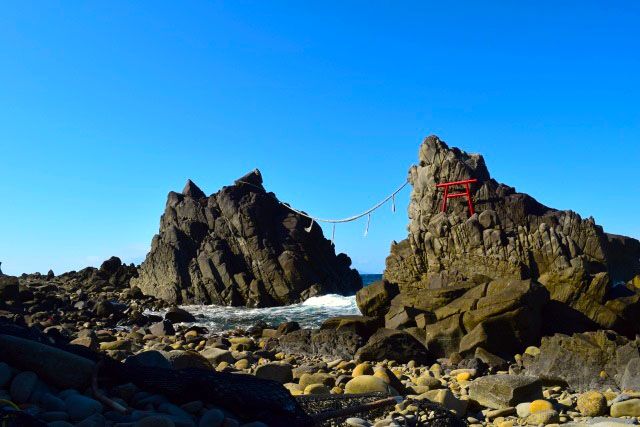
(310, 313)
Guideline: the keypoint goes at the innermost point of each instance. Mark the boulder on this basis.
(179, 315)
(208, 248)
(367, 384)
(364, 326)
(503, 391)
(56, 367)
(161, 329)
(9, 288)
(342, 343)
(514, 239)
(627, 408)
(275, 371)
(631, 376)
(584, 361)
(393, 345)
(374, 300)
(592, 404)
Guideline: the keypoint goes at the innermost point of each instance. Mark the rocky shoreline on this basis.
(483, 389)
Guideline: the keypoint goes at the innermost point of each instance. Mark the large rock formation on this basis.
(499, 279)
(240, 247)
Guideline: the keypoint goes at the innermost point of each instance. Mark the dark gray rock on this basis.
(161, 329)
(179, 315)
(22, 386)
(325, 342)
(394, 345)
(503, 391)
(240, 247)
(275, 371)
(9, 288)
(80, 407)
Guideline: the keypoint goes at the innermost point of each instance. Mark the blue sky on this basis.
(106, 106)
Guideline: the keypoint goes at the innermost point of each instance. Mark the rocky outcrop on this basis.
(240, 247)
(501, 278)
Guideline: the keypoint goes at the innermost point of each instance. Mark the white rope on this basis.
(367, 213)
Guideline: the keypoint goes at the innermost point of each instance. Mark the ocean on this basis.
(310, 313)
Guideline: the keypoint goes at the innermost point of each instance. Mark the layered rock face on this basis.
(485, 280)
(240, 247)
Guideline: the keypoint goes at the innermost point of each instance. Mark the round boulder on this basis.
(366, 384)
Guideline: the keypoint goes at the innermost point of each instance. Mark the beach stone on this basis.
(181, 359)
(357, 422)
(428, 381)
(318, 378)
(52, 403)
(286, 327)
(540, 405)
(211, 418)
(275, 371)
(80, 407)
(148, 359)
(22, 386)
(316, 389)
(54, 366)
(155, 421)
(592, 404)
(628, 408)
(395, 345)
(116, 345)
(523, 409)
(59, 424)
(503, 390)
(490, 359)
(217, 355)
(363, 368)
(95, 420)
(242, 364)
(5, 374)
(447, 399)
(549, 416)
(366, 384)
(179, 315)
(54, 416)
(161, 329)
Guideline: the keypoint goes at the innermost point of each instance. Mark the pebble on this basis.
(211, 418)
(80, 407)
(357, 422)
(22, 386)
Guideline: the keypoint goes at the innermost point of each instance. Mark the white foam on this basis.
(331, 300)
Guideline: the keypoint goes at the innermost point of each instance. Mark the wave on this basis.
(309, 314)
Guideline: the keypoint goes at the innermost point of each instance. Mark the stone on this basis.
(342, 343)
(242, 364)
(374, 300)
(275, 371)
(161, 329)
(287, 327)
(446, 398)
(207, 249)
(523, 409)
(592, 404)
(363, 368)
(539, 405)
(179, 315)
(22, 386)
(116, 345)
(149, 359)
(80, 407)
(316, 378)
(493, 361)
(393, 345)
(428, 381)
(366, 384)
(9, 288)
(503, 390)
(627, 408)
(217, 355)
(316, 389)
(180, 359)
(548, 416)
(363, 326)
(211, 418)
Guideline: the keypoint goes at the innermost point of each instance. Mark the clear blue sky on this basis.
(106, 106)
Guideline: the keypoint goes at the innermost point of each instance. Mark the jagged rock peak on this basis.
(242, 247)
(192, 190)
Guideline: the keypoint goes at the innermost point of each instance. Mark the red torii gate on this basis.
(466, 193)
